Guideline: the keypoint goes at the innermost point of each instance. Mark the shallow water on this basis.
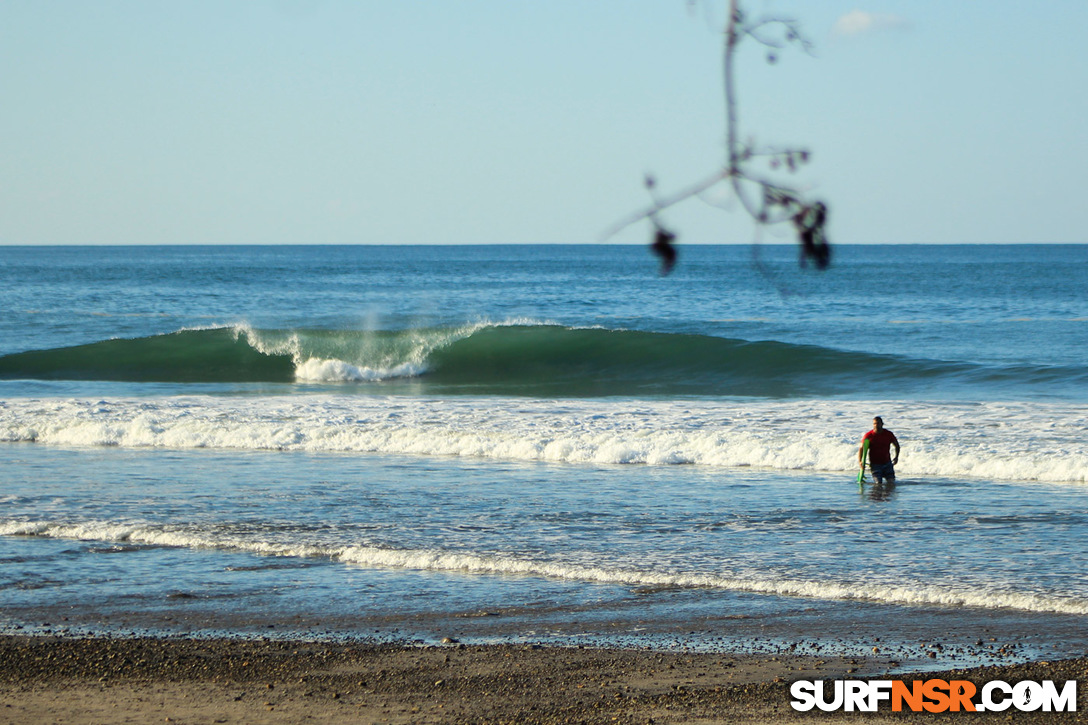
(343, 545)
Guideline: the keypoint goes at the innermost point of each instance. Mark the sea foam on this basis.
(996, 441)
(909, 593)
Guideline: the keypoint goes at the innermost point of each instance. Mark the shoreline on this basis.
(85, 680)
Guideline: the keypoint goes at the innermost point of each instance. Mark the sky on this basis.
(535, 121)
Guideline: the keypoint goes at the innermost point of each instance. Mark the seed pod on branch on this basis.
(810, 222)
(663, 247)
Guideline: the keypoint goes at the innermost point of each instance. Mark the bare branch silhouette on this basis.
(767, 201)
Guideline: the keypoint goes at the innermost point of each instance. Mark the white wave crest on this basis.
(918, 595)
(364, 356)
(338, 371)
(482, 564)
(998, 441)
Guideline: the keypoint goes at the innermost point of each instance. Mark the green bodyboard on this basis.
(864, 457)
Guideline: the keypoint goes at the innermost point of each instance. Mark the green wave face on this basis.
(582, 362)
(188, 356)
(537, 360)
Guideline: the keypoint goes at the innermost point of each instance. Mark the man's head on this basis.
(878, 423)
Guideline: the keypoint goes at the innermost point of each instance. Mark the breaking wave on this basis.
(523, 358)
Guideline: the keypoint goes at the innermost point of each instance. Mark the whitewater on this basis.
(992, 441)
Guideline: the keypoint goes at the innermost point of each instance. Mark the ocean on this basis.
(549, 444)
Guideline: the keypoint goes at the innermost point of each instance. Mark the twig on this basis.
(665, 203)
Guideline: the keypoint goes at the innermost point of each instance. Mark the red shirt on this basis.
(880, 445)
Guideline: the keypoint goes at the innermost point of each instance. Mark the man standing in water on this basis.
(881, 462)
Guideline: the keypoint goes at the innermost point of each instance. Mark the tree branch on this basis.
(777, 202)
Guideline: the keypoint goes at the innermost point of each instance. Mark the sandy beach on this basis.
(103, 680)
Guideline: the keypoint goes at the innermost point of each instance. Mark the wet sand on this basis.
(104, 680)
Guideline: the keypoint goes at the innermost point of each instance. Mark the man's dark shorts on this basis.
(883, 470)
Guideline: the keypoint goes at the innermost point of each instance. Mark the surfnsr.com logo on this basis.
(933, 696)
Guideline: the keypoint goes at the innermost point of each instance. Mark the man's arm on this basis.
(895, 442)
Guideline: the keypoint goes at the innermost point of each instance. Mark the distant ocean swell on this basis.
(521, 359)
(997, 441)
(897, 592)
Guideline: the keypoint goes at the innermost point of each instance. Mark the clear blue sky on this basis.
(493, 121)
